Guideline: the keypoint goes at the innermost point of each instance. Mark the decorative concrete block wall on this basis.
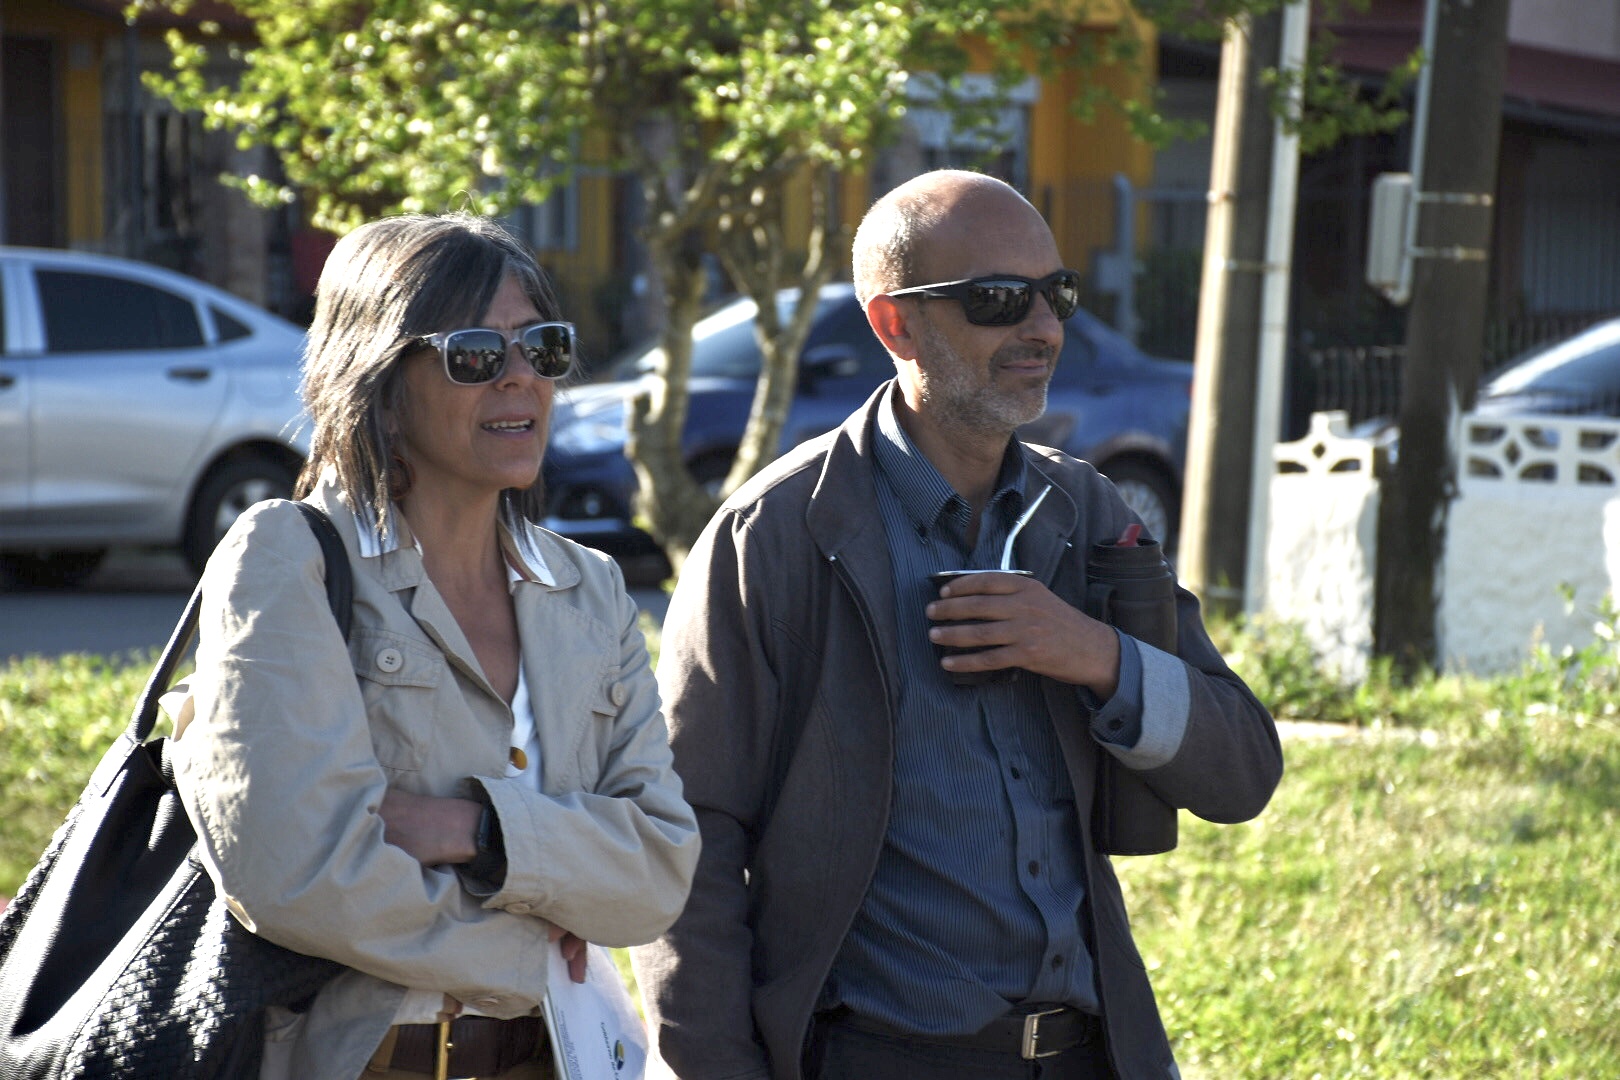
(1322, 545)
(1532, 550)
(1537, 518)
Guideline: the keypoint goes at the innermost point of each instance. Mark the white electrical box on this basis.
(1389, 265)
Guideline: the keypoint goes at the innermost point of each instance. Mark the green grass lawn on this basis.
(1430, 894)
(1408, 906)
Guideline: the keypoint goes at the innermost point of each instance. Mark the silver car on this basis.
(137, 407)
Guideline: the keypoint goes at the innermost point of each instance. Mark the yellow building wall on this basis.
(1073, 160)
(580, 272)
(78, 42)
(85, 175)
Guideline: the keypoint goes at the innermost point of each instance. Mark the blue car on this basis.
(1109, 403)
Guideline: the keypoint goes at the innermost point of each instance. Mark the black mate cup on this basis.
(1131, 587)
(969, 678)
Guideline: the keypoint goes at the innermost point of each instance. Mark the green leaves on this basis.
(416, 104)
(393, 105)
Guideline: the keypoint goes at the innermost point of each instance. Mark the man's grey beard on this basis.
(952, 394)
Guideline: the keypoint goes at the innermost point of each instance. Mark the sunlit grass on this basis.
(1407, 907)
(56, 720)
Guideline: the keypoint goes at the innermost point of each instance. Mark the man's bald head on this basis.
(895, 237)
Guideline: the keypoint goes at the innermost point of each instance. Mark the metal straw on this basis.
(1023, 519)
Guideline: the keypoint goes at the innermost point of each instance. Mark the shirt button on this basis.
(390, 660)
(618, 693)
(1057, 962)
(1017, 774)
(487, 1002)
(1034, 868)
(519, 908)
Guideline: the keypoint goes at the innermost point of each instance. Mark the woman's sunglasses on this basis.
(1004, 299)
(478, 355)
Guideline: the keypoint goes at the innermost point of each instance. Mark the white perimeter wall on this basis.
(1532, 550)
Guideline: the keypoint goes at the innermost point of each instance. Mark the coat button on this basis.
(390, 660)
(618, 694)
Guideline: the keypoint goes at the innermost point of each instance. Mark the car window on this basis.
(229, 327)
(727, 348)
(729, 353)
(1573, 365)
(99, 312)
(723, 345)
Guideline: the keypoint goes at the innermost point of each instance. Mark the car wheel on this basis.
(1148, 491)
(231, 488)
(49, 569)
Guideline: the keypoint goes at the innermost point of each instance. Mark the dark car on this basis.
(1578, 376)
(1109, 403)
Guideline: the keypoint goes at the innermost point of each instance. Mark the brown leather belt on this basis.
(1042, 1031)
(474, 1046)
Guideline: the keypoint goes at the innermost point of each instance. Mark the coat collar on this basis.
(538, 565)
(533, 555)
(844, 522)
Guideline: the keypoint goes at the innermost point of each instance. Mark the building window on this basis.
(998, 146)
(554, 224)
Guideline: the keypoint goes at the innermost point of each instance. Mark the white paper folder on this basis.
(595, 1031)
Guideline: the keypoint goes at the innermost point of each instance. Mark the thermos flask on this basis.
(1130, 586)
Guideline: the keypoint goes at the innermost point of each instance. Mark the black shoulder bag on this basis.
(117, 960)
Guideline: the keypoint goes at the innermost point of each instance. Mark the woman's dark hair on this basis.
(385, 285)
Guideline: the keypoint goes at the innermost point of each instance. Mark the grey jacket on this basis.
(297, 734)
(777, 670)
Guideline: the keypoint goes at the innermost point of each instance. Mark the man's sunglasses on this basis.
(1004, 299)
(478, 355)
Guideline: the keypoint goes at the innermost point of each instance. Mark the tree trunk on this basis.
(758, 260)
(1445, 330)
(669, 504)
(1220, 441)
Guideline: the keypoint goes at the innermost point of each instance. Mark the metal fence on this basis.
(1364, 381)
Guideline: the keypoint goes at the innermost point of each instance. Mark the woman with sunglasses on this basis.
(480, 775)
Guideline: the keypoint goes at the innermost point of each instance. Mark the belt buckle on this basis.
(1030, 1048)
(441, 1056)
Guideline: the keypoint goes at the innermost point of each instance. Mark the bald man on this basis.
(898, 877)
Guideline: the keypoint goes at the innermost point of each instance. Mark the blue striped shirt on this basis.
(976, 902)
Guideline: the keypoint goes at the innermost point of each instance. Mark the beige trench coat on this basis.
(296, 735)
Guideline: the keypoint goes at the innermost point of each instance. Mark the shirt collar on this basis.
(924, 494)
(524, 562)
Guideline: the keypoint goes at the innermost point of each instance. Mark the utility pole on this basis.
(1213, 554)
(1453, 201)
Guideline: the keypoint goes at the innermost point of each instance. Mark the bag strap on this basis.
(339, 594)
(339, 576)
